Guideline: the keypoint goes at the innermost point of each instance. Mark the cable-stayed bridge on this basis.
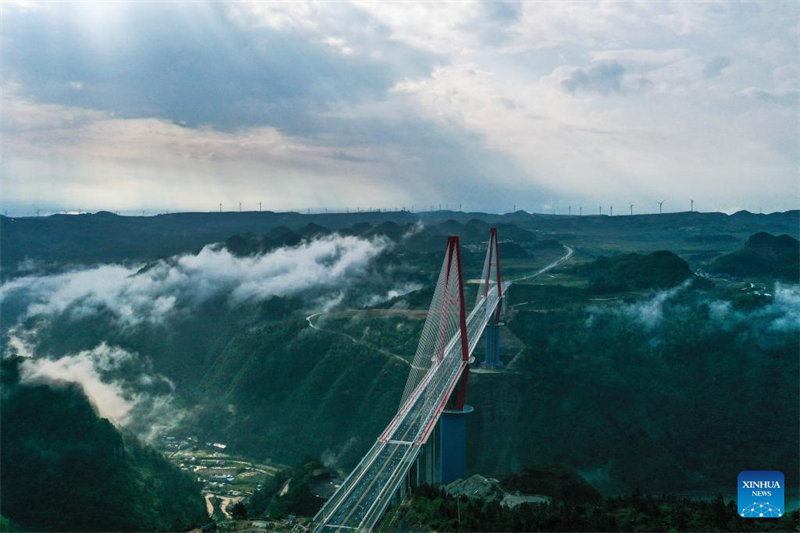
(437, 382)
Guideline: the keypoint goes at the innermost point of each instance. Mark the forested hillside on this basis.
(661, 269)
(295, 341)
(66, 469)
(763, 255)
(640, 394)
(432, 509)
(330, 395)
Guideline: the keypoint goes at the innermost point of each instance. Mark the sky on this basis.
(542, 106)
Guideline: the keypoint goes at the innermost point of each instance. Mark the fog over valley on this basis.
(479, 266)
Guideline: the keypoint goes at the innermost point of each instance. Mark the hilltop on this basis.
(762, 255)
(634, 271)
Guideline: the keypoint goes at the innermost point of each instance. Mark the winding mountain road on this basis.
(549, 267)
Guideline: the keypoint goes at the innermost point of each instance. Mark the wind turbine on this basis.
(569, 210)
(611, 210)
(601, 209)
(691, 209)
(220, 207)
(580, 212)
(660, 205)
(259, 207)
(240, 207)
(631, 209)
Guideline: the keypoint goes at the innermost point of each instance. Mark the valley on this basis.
(226, 479)
(423, 266)
(615, 332)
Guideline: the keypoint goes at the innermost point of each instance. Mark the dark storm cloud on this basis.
(173, 63)
(507, 12)
(115, 105)
(786, 97)
(193, 65)
(492, 28)
(603, 77)
(328, 92)
(344, 156)
(716, 65)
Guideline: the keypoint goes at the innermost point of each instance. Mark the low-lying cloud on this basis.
(766, 324)
(120, 384)
(396, 292)
(780, 315)
(85, 368)
(148, 294)
(648, 312)
(413, 230)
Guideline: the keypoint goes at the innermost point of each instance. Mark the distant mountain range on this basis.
(106, 237)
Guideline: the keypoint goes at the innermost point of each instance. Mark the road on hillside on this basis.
(549, 267)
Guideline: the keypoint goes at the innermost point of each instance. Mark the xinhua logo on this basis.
(761, 494)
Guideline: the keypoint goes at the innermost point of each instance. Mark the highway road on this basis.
(549, 267)
(361, 499)
(368, 489)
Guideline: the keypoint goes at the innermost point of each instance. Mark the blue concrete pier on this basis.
(492, 357)
(453, 445)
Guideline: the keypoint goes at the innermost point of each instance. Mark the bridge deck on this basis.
(364, 495)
